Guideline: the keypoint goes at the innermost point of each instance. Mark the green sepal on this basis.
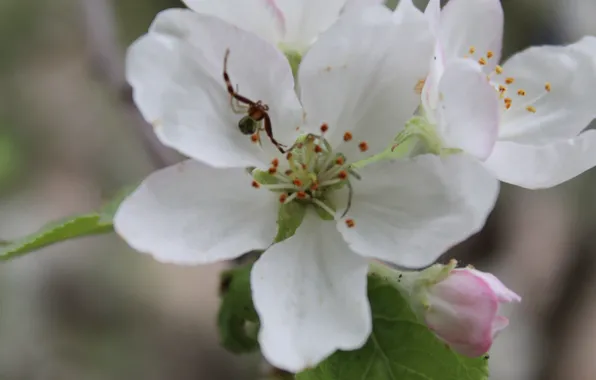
(294, 59)
(400, 347)
(322, 213)
(237, 320)
(289, 218)
(264, 178)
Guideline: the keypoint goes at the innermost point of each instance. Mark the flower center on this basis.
(514, 96)
(311, 174)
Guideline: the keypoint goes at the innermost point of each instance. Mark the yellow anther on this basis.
(472, 50)
(419, 86)
(502, 89)
(499, 69)
(489, 54)
(531, 109)
(509, 80)
(547, 87)
(482, 61)
(521, 92)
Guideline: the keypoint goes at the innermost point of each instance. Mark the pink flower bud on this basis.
(463, 308)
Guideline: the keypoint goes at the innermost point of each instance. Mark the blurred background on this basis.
(92, 309)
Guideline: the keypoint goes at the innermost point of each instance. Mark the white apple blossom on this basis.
(310, 289)
(292, 25)
(532, 133)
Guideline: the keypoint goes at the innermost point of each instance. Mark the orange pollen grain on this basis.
(499, 69)
(347, 136)
(272, 170)
(363, 146)
(314, 186)
(547, 87)
(339, 160)
(350, 223)
(531, 109)
(255, 184)
(521, 92)
(419, 86)
(509, 80)
(254, 138)
(301, 195)
(275, 162)
(482, 61)
(324, 127)
(283, 197)
(297, 182)
(489, 54)
(342, 175)
(318, 149)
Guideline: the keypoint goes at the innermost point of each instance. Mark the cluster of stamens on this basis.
(506, 94)
(310, 172)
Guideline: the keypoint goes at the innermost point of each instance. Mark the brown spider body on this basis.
(256, 113)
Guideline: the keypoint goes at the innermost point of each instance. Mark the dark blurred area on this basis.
(92, 309)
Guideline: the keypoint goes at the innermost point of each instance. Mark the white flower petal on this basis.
(195, 114)
(587, 45)
(358, 4)
(469, 109)
(310, 293)
(192, 213)
(535, 166)
(477, 23)
(357, 78)
(409, 212)
(561, 113)
(405, 11)
(306, 19)
(261, 17)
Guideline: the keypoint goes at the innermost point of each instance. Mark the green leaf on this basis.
(79, 226)
(66, 229)
(289, 218)
(399, 348)
(238, 321)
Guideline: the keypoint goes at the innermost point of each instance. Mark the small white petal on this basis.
(433, 15)
(543, 166)
(192, 213)
(359, 78)
(306, 19)
(469, 109)
(409, 212)
(195, 114)
(310, 293)
(467, 23)
(359, 4)
(257, 16)
(406, 11)
(588, 46)
(562, 112)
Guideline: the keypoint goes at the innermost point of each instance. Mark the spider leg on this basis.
(230, 87)
(269, 131)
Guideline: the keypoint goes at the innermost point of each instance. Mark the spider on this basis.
(256, 117)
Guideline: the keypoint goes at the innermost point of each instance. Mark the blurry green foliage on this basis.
(399, 348)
